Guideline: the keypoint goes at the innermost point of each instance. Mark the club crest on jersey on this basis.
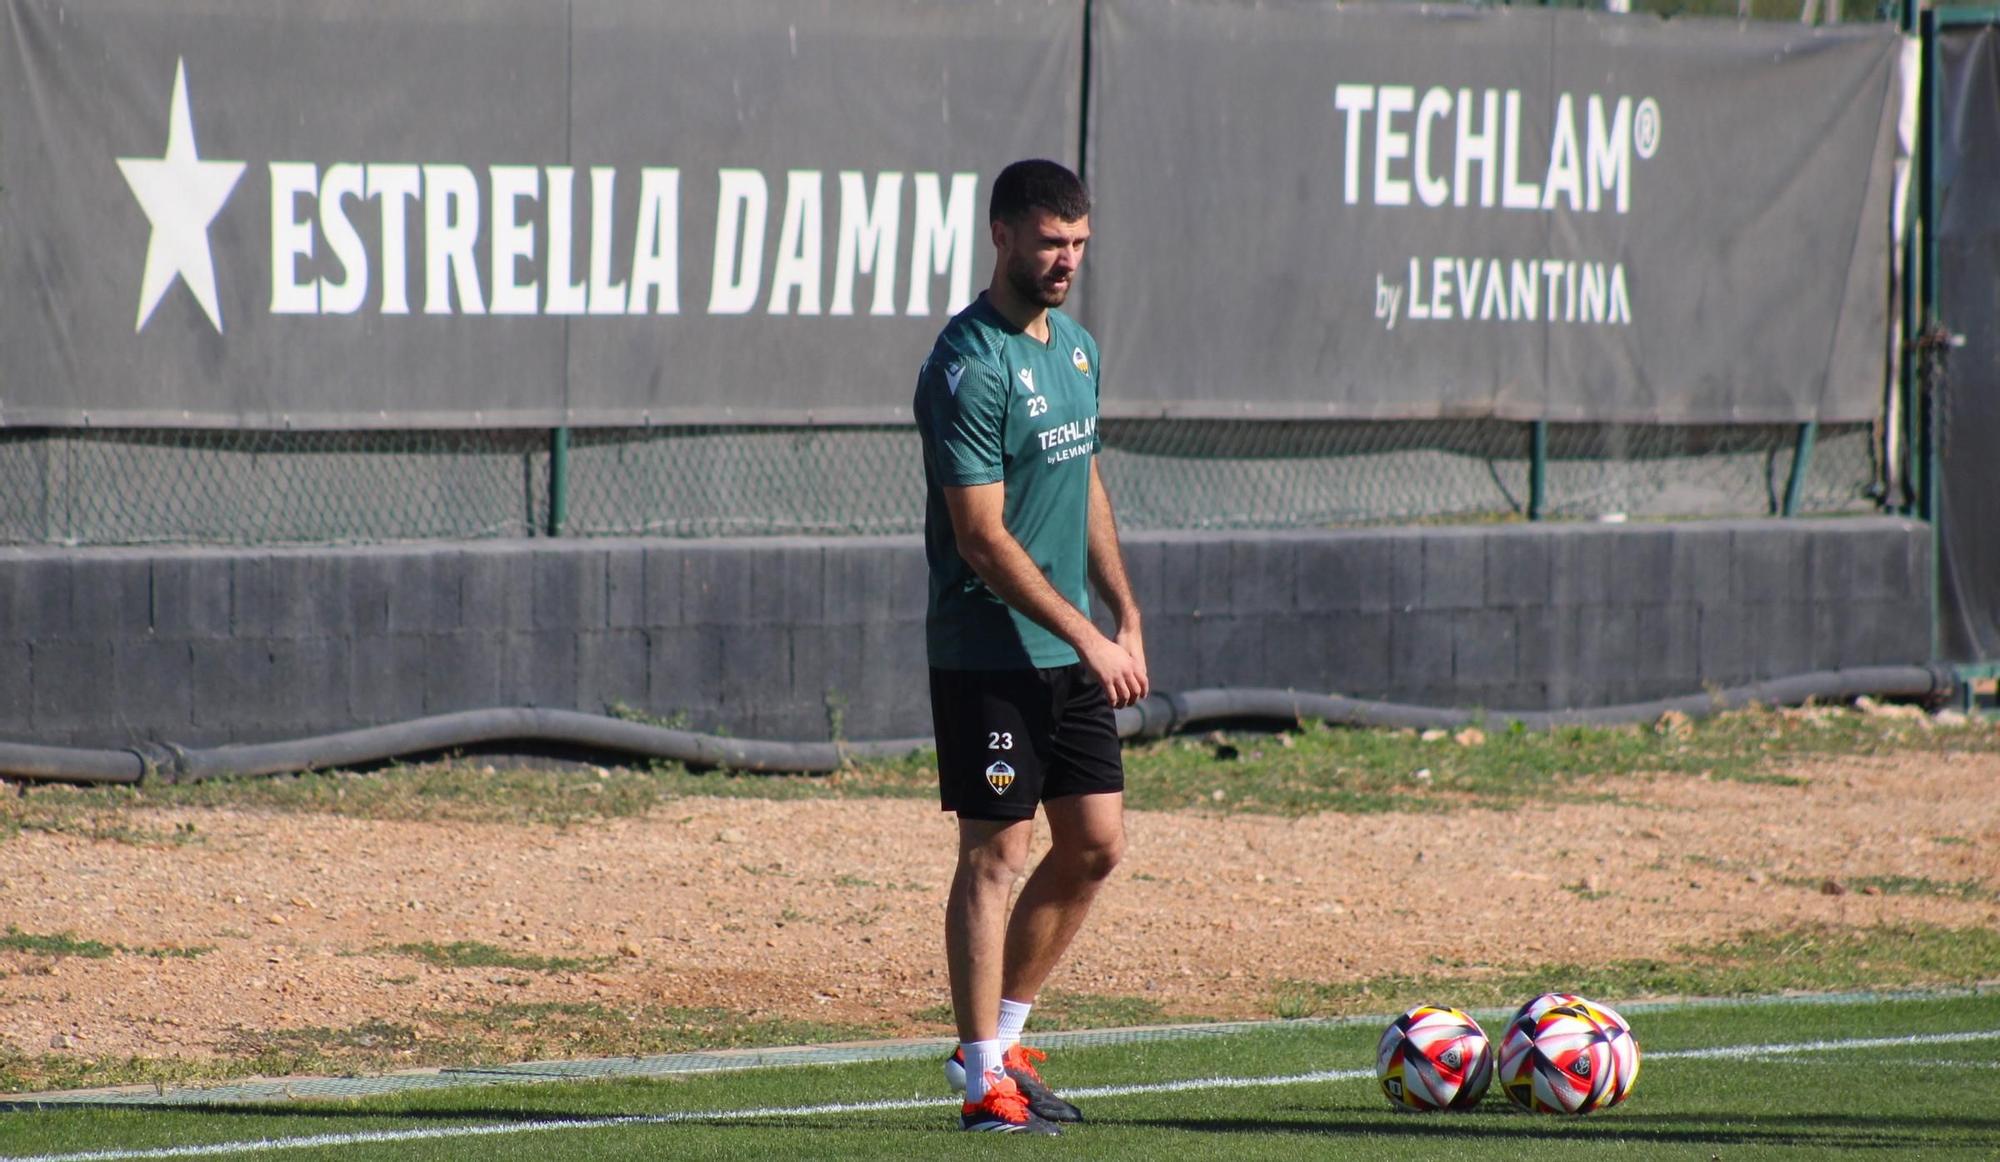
(953, 372)
(999, 776)
(1081, 360)
(1028, 380)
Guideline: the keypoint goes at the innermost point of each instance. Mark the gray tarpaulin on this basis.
(1401, 212)
(397, 213)
(1968, 399)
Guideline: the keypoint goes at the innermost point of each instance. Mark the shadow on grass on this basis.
(1828, 1131)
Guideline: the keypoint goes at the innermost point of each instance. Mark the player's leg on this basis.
(991, 856)
(1083, 798)
(1083, 784)
(1086, 840)
(990, 775)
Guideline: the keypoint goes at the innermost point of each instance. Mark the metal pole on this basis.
(1538, 469)
(558, 480)
(1924, 447)
(48, 445)
(1801, 459)
(1924, 453)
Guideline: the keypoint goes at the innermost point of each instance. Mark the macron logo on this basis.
(953, 372)
(1028, 379)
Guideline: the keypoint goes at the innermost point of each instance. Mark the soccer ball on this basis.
(1604, 1014)
(1564, 1054)
(1434, 1058)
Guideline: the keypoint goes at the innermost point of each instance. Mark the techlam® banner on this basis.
(394, 213)
(1309, 209)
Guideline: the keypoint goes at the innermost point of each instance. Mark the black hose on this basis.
(567, 727)
(1155, 716)
(1159, 715)
(63, 764)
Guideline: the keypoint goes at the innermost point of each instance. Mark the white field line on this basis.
(370, 1137)
(1728, 1051)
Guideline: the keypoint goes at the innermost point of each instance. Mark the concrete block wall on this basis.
(1533, 616)
(794, 638)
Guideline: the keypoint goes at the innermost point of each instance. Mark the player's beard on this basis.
(1034, 288)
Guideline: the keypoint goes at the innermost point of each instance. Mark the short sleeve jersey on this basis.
(994, 404)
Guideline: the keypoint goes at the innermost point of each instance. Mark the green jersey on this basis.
(995, 404)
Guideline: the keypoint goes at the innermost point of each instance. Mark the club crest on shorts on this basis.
(999, 776)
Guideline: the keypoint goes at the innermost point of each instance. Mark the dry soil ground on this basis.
(831, 911)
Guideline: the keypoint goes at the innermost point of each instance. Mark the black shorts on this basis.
(1009, 739)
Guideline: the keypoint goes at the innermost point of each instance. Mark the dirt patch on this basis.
(831, 911)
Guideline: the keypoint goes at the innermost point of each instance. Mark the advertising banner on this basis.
(403, 213)
(1404, 212)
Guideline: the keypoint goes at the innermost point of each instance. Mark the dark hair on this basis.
(1037, 185)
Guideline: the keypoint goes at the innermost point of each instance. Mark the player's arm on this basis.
(1107, 573)
(978, 523)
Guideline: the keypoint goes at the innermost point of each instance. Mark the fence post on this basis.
(1923, 406)
(1801, 460)
(48, 507)
(1538, 469)
(558, 480)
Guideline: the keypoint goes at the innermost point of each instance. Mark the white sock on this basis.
(982, 1067)
(1013, 1018)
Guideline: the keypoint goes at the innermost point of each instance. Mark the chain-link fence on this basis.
(238, 487)
(111, 487)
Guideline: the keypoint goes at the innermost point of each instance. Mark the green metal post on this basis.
(49, 445)
(1924, 448)
(558, 480)
(1538, 470)
(1801, 460)
(1927, 289)
(1913, 308)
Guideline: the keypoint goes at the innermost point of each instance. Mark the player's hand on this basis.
(1122, 675)
(1135, 644)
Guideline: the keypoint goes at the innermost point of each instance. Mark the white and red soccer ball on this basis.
(1434, 1058)
(1564, 1054)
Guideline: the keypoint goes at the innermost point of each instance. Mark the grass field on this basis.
(1753, 1080)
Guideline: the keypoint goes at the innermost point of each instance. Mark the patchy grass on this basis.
(1901, 886)
(492, 1034)
(1307, 770)
(1057, 1010)
(66, 944)
(93, 817)
(35, 1073)
(569, 1029)
(55, 944)
(1809, 959)
(477, 954)
(1501, 766)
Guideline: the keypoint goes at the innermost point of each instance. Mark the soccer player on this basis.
(1017, 524)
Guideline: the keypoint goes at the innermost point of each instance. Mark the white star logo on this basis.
(181, 194)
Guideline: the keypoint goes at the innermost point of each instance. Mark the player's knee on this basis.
(991, 867)
(1097, 860)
